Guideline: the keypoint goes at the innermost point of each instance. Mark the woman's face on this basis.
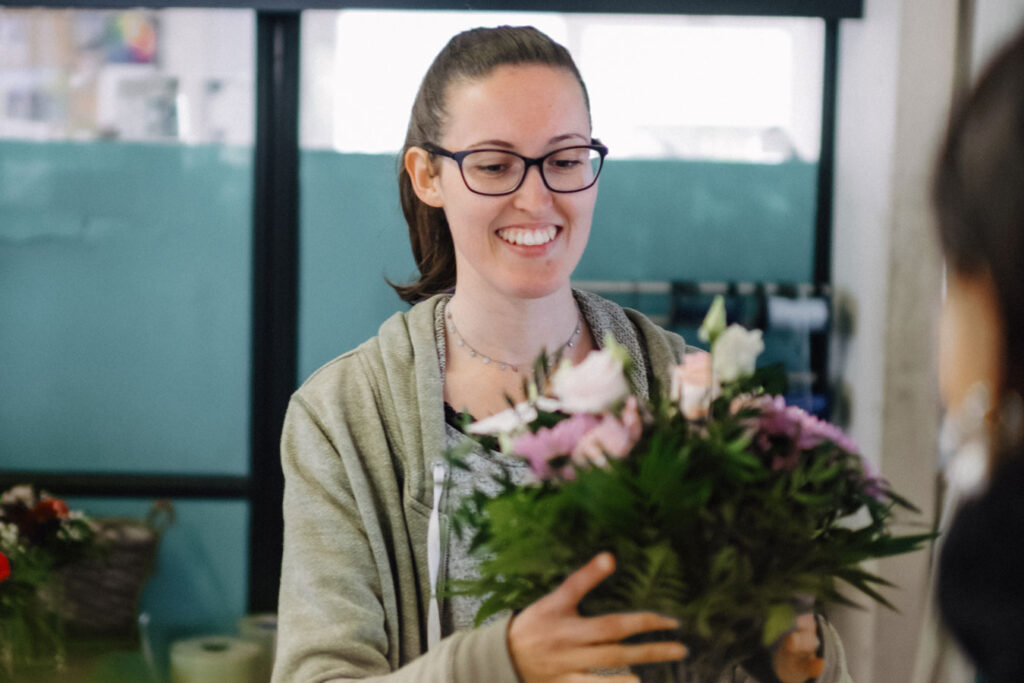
(532, 110)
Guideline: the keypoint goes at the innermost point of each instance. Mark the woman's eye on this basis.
(491, 169)
(489, 164)
(565, 161)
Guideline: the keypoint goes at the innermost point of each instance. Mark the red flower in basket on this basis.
(50, 508)
(5, 568)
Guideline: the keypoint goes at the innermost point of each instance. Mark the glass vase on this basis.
(32, 640)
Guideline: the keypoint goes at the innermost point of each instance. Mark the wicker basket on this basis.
(100, 595)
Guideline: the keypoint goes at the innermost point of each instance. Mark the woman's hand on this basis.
(796, 658)
(549, 641)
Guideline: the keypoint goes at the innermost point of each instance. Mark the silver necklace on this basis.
(502, 365)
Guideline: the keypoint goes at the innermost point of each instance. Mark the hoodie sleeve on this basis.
(338, 608)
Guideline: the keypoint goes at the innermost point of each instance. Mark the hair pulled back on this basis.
(978, 193)
(468, 56)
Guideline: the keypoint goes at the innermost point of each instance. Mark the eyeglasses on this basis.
(496, 172)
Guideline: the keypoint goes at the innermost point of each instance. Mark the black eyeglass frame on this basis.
(595, 145)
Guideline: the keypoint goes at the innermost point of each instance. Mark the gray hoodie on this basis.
(359, 441)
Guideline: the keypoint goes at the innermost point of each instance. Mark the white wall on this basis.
(895, 85)
(994, 22)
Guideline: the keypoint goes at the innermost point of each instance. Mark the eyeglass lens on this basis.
(565, 170)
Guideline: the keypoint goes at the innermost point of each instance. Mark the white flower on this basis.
(547, 404)
(593, 386)
(8, 537)
(18, 494)
(735, 352)
(506, 421)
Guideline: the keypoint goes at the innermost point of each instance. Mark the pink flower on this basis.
(612, 436)
(551, 442)
(694, 386)
(593, 386)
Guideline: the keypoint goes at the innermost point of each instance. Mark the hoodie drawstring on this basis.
(440, 470)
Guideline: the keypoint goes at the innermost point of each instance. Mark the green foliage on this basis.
(38, 537)
(719, 522)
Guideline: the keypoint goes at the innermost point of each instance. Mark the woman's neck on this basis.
(513, 330)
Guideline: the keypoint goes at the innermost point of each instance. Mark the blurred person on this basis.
(979, 200)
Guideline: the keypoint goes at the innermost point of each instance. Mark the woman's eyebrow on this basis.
(568, 136)
(508, 145)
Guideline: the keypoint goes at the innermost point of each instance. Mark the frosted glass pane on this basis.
(125, 307)
(125, 239)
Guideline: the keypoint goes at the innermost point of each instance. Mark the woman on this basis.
(979, 195)
(498, 184)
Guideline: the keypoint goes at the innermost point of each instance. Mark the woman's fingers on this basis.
(618, 656)
(582, 581)
(615, 627)
(803, 640)
(550, 642)
(796, 659)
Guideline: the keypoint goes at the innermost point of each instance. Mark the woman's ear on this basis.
(972, 341)
(426, 183)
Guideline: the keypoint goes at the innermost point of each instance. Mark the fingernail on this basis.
(604, 561)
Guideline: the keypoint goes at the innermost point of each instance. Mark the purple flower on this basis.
(801, 429)
(551, 442)
(808, 431)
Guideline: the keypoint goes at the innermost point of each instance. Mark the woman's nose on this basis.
(533, 192)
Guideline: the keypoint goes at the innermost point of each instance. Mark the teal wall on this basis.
(654, 220)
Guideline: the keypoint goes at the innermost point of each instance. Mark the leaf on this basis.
(649, 580)
(781, 618)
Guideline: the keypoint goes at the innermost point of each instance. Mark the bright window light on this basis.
(725, 88)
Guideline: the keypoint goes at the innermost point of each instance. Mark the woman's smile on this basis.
(529, 236)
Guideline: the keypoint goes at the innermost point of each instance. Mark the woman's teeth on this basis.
(528, 236)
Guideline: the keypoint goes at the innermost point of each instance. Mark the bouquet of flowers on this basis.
(721, 503)
(38, 536)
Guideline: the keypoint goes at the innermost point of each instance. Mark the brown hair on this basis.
(978, 193)
(469, 55)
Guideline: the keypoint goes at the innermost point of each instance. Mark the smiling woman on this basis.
(367, 492)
